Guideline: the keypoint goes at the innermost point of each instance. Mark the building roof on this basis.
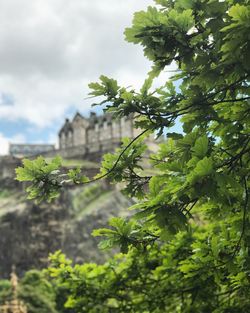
(78, 115)
(100, 119)
(67, 126)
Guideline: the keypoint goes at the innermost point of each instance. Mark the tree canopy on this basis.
(186, 247)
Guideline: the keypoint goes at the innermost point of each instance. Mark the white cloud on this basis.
(4, 142)
(51, 49)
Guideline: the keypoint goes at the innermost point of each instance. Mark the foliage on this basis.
(184, 275)
(5, 291)
(34, 290)
(37, 292)
(188, 241)
(69, 163)
(43, 177)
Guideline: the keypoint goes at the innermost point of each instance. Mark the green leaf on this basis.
(202, 169)
(146, 86)
(201, 147)
(240, 13)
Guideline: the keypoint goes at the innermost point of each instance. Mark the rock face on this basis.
(29, 232)
(7, 169)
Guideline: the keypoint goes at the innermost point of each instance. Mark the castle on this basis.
(95, 132)
(83, 138)
(92, 137)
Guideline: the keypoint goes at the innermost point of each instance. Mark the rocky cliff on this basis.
(29, 232)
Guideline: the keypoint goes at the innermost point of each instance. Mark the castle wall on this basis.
(68, 153)
(91, 151)
(69, 139)
(126, 127)
(116, 129)
(62, 141)
(105, 131)
(95, 133)
(79, 126)
(79, 136)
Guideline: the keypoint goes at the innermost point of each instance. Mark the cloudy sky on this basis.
(50, 50)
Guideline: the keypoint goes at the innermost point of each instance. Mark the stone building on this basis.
(96, 133)
(28, 150)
